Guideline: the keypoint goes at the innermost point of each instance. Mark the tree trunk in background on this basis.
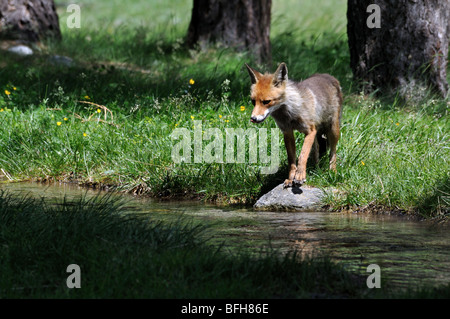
(28, 20)
(408, 52)
(242, 24)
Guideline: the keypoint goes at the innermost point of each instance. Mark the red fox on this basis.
(312, 107)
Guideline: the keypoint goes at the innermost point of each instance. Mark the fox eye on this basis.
(253, 102)
(265, 102)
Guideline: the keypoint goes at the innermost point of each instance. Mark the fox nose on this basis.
(253, 119)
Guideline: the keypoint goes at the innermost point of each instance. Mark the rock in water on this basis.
(292, 198)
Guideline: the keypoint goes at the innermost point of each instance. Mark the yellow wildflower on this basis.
(87, 97)
(58, 123)
(242, 108)
(397, 124)
(7, 92)
(65, 119)
(220, 116)
(192, 116)
(191, 82)
(84, 134)
(98, 110)
(1, 110)
(362, 163)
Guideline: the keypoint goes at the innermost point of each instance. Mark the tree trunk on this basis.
(409, 50)
(242, 24)
(28, 20)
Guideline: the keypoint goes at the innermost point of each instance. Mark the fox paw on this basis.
(287, 183)
(298, 183)
(293, 183)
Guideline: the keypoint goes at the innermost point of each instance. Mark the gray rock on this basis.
(293, 199)
(22, 50)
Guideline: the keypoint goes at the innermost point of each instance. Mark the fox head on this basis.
(267, 91)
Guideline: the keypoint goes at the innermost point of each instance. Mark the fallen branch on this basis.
(105, 109)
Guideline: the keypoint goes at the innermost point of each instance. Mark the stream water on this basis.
(408, 252)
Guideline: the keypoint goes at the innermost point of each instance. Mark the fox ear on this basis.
(280, 75)
(254, 75)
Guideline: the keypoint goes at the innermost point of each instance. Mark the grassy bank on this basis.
(108, 118)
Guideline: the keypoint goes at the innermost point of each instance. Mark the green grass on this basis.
(130, 60)
(391, 158)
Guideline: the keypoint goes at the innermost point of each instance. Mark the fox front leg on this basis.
(289, 143)
(300, 174)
